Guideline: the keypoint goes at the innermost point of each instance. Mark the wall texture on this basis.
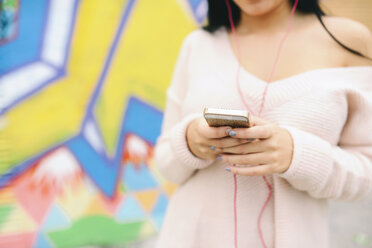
(82, 86)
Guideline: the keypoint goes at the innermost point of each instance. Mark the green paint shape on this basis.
(123, 188)
(9, 4)
(97, 230)
(4, 213)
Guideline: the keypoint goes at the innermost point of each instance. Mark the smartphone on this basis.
(227, 117)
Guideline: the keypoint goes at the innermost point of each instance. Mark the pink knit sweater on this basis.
(329, 117)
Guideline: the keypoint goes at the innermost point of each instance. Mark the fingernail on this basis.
(228, 169)
(232, 133)
(219, 157)
(228, 131)
(212, 148)
(251, 139)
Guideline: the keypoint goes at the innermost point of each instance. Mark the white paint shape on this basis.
(57, 31)
(57, 168)
(137, 147)
(91, 134)
(18, 83)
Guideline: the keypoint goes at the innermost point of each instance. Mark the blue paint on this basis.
(56, 219)
(130, 210)
(42, 241)
(161, 204)
(159, 210)
(101, 172)
(195, 5)
(143, 120)
(61, 72)
(158, 220)
(138, 179)
(26, 47)
(105, 173)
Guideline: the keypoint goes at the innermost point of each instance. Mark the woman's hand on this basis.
(271, 151)
(207, 142)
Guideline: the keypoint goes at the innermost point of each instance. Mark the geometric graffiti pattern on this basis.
(78, 144)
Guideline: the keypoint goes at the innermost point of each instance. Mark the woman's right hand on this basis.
(207, 142)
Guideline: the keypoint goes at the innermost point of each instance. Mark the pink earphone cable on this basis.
(259, 114)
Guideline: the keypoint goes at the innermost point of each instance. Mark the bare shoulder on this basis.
(351, 33)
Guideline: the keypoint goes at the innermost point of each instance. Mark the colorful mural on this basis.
(82, 85)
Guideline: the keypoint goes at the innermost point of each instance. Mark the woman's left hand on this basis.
(270, 152)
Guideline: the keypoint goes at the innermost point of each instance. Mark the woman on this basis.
(312, 127)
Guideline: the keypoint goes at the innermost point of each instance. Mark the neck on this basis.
(274, 21)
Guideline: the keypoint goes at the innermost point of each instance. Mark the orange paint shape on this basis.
(169, 188)
(74, 199)
(7, 196)
(95, 207)
(147, 199)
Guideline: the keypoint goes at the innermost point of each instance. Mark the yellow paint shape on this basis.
(147, 199)
(95, 208)
(169, 188)
(7, 196)
(155, 172)
(75, 199)
(54, 114)
(18, 222)
(147, 230)
(144, 62)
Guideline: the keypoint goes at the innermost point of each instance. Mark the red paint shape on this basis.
(34, 198)
(130, 154)
(112, 204)
(22, 240)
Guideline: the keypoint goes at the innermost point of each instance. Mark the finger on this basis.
(256, 121)
(259, 170)
(255, 132)
(246, 159)
(213, 132)
(251, 147)
(209, 152)
(227, 142)
(213, 149)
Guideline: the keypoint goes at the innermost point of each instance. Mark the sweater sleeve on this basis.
(173, 158)
(343, 171)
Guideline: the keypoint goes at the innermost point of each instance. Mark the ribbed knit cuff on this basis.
(311, 162)
(180, 147)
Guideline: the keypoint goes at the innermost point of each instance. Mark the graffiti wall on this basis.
(82, 88)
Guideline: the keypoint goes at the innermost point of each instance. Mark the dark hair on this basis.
(218, 17)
